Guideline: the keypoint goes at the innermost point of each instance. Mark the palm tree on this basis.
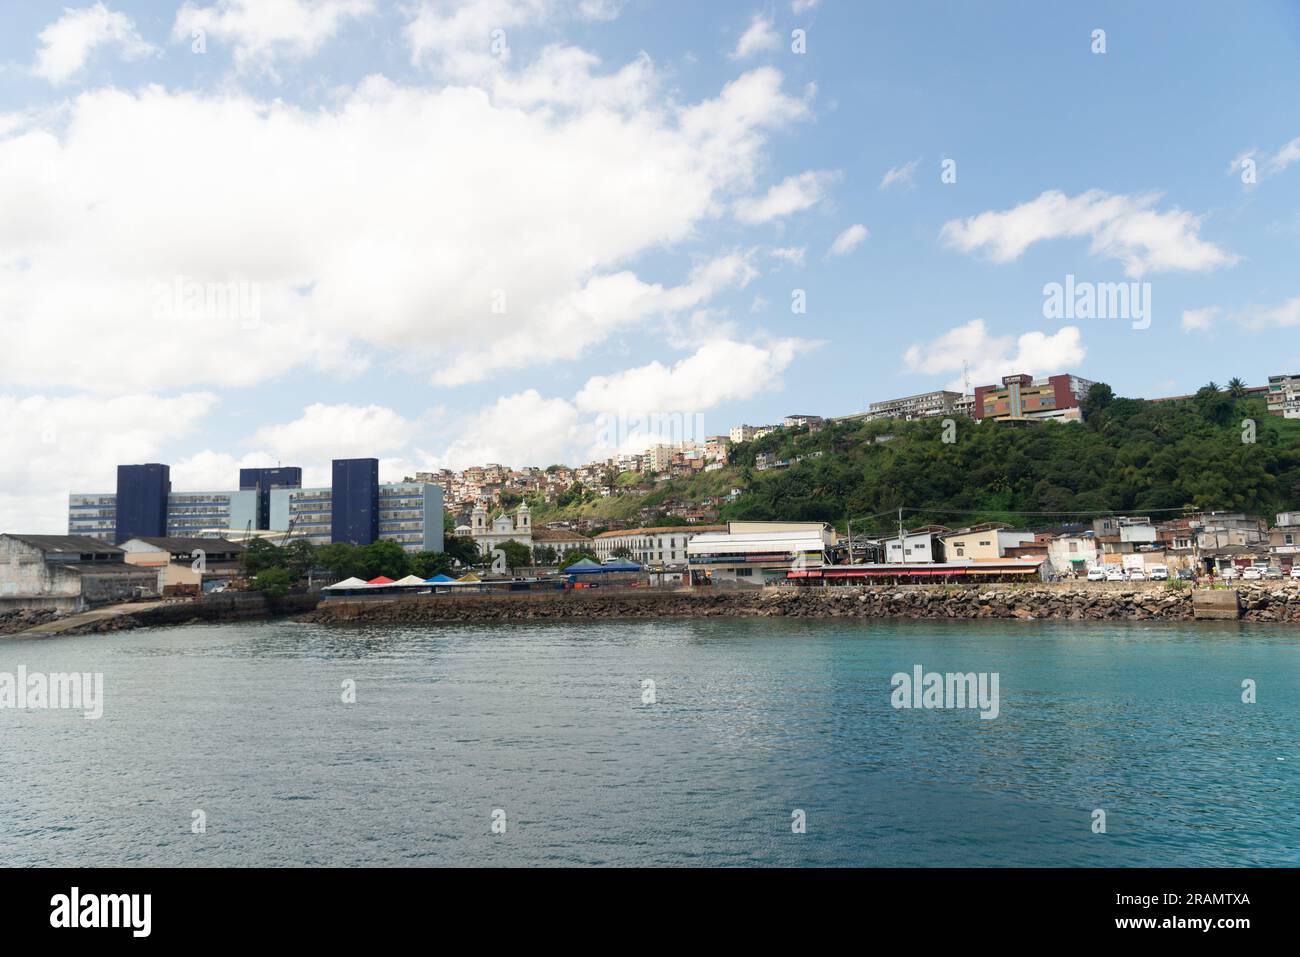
(1236, 388)
(1211, 386)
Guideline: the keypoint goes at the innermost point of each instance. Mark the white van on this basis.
(1159, 573)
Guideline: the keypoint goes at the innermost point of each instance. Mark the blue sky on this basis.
(644, 190)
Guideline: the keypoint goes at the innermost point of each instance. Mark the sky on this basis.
(452, 232)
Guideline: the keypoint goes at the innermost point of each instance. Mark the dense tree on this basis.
(1098, 397)
(299, 557)
(339, 559)
(461, 549)
(517, 554)
(383, 558)
(261, 554)
(273, 582)
(575, 555)
(428, 564)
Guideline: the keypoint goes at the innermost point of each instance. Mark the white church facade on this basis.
(503, 528)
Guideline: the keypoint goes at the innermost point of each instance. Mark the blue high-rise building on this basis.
(354, 501)
(262, 481)
(141, 504)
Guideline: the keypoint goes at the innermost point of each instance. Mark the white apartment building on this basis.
(1284, 396)
(920, 406)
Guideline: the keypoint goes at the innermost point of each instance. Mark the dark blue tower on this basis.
(142, 492)
(355, 501)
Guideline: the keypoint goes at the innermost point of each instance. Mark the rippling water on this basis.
(753, 719)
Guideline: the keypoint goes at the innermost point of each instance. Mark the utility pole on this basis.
(902, 538)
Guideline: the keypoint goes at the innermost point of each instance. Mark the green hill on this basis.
(1130, 455)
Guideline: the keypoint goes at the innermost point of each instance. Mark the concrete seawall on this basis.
(235, 606)
(1073, 603)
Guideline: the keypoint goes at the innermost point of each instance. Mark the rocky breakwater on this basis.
(1082, 602)
(12, 622)
(1270, 602)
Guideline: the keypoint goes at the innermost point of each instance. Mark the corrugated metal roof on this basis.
(66, 543)
(177, 544)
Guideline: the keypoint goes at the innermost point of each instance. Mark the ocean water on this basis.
(544, 728)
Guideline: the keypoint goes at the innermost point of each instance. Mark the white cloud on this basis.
(1284, 157)
(1235, 167)
(904, 175)
(470, 39)
(524, 428)
(803, 6)
(1199, 320)
(1254, 318)
(792, 195)
(760, 35)
(260, 30)
(325, 432)
(1120, 227)
(67, 43)
(133, 189)
(791, 254)
(1264, 318)
(992, 357)
(848, 240)
(719, 371)
(51, 445)
(616, 412)
(591, 314)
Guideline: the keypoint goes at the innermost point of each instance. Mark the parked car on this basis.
(1185, 574)
(1137, 575)
(1099, 574)
(1115, 575)
(1251, 574)
(1273, 574)
(1159, 573)
(1229, 571)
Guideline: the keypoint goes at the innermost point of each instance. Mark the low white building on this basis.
(654, 547)
(757, 555)
(68, 573)
(920, 545)
(1075, 553)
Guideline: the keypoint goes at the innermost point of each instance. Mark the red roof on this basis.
(381, 580)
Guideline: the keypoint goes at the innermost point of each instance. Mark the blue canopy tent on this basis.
(439, 579)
